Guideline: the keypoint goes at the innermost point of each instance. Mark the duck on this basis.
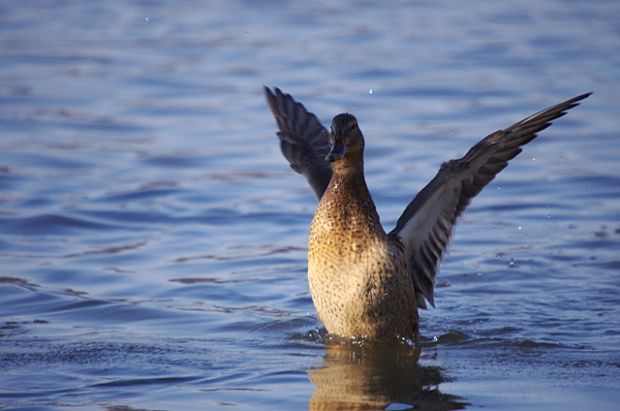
(367, 283)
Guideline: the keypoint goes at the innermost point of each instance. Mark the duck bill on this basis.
(337, 152)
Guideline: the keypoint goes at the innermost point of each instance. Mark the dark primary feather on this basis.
(303, 140)
(426, 225)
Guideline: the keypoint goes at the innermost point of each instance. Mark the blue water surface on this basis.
(153, 238)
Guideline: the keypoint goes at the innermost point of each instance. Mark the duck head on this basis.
(345, 139)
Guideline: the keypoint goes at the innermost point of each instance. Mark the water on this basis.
(152, 237)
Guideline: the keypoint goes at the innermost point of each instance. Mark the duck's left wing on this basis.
(426, 225)
(303, 140)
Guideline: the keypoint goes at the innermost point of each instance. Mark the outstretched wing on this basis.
(303, 140)
(426, 225)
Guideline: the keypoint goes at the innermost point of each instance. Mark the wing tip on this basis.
(575, 101)
(269, 92)
(273, 94)
(583, 96)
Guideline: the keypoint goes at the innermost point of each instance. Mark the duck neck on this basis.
(348, 197)
(351, 165)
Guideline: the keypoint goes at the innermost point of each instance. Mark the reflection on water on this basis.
(373, 376)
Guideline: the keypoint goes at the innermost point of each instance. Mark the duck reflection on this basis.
(376, 377)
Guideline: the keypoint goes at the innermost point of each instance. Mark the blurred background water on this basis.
(153, 239)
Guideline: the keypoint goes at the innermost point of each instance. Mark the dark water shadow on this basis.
(378, 377)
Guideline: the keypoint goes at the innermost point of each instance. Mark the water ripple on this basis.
(50, 224)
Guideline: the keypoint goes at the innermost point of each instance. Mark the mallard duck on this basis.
(364, 282)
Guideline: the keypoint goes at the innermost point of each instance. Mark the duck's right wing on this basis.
(303, 140)
(425, 226)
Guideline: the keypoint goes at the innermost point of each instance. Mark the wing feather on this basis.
(427, 223)
(303, 140)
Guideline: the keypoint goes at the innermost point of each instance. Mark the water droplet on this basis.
(408, 341)
(499, 188)
(369, 91)
(146, 19)
(512, 263)
(533, 158)
(435, 339)
(519, 228)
